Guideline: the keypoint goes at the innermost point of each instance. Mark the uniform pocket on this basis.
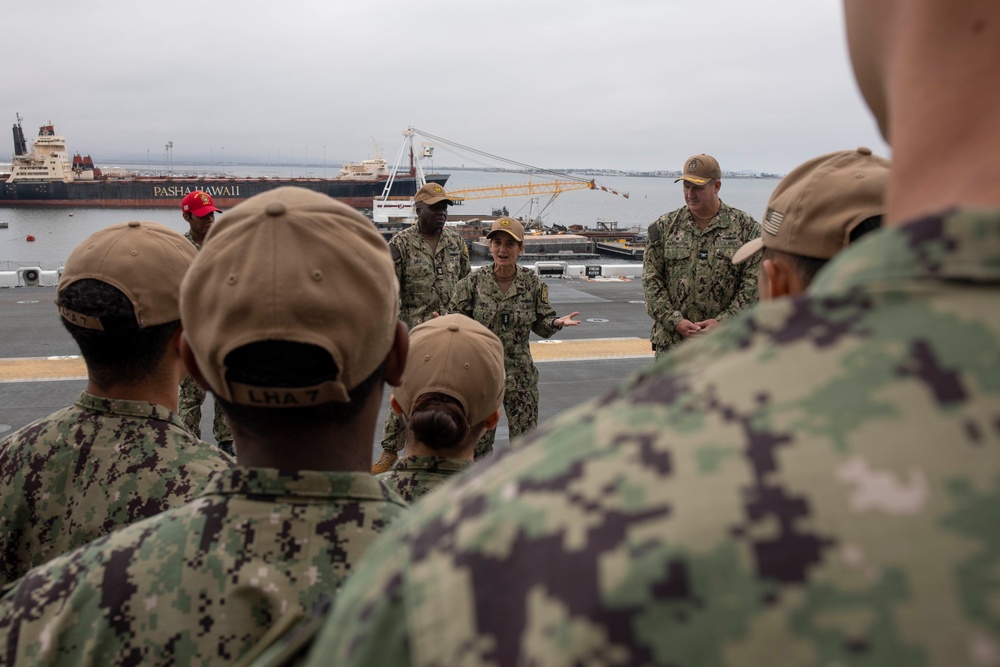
(726, 247)
(676, 253)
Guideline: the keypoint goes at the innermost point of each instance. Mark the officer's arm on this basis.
(654, 281)
(545, 314)
(462, 299)
(746, 293)
(465, 266)
(398, 261)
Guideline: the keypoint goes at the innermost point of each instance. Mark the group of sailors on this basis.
(809, 479)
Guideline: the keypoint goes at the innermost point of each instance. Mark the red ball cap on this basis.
(198, 203)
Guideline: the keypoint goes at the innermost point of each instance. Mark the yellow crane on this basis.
(387, 206)
(551, 188)
(520, 190)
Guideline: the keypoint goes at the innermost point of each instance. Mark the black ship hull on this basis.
(160, 192)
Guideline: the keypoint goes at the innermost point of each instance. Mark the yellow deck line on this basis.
(48, 369)
(593, 348)
(41, 369)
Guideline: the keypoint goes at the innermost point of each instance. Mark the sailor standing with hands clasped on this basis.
(688, 278)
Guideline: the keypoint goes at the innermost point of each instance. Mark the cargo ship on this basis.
(46, 176)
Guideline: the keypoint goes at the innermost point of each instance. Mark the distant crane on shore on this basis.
(562, 182)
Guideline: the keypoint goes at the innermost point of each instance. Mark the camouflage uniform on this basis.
(688, 273)
(426, 282)
(200, 584)
(192, 396)
(817, 483)
(416, 476)
(426, 279)
(512, 317)
(89, 469)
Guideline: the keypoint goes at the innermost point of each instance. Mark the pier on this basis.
(545, 247)
(622, 249)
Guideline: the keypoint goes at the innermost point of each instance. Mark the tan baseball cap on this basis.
(700, 169)
(507, 226)
(456, 356)
(292, 265)
(431, 194)
(816, 206)
(145, 260)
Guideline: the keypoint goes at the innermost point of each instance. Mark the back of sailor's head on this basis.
(294, 273)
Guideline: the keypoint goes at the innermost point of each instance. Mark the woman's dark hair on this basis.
(281, 363)
(438, 421)
(122, 353)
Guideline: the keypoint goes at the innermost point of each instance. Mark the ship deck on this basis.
(40, 371)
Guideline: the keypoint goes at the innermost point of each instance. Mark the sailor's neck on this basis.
(703, 222)
(505, 273)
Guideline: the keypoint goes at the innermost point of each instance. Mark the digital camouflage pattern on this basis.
(89, 469)
(415, 476)
(189, 402)
(817, 483)
(192, 396)
(512, 316)
(427, 280)
(200, 584)
(688, 273)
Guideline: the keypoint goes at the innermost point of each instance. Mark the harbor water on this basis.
(57, 231)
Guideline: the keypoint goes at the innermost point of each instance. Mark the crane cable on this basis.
(522, 165)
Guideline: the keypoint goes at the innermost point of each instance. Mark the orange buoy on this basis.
(29, 238)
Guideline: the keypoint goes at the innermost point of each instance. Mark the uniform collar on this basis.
(298, 483)
(122, 408)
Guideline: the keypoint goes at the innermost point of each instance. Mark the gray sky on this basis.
(628, 84)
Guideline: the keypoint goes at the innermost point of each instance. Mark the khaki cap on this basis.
(145, 260)
(431, 194)
(700, 169)
(292, 265)
(456, 356)
(507, 226)
(816, 206)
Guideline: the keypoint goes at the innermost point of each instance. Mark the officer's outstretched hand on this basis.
(567, 320)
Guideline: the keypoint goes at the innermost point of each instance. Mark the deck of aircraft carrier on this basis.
(40, 370)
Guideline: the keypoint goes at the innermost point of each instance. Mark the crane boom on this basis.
(387, 206)
(519, 190)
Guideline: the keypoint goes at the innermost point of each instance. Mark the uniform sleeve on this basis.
(368, 623)
(463, 301)
(396, 249)
(465, 266)
(545, 314)
(654, 279)
(746, 293)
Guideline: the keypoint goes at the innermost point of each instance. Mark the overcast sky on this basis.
(628, 84)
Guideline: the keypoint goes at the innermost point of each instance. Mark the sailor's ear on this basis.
(187, 356)
(493, 420)
(395, 361)
(783, 278)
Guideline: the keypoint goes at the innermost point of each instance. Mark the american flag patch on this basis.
(772, 221)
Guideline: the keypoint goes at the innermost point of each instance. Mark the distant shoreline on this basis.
(589, 172)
